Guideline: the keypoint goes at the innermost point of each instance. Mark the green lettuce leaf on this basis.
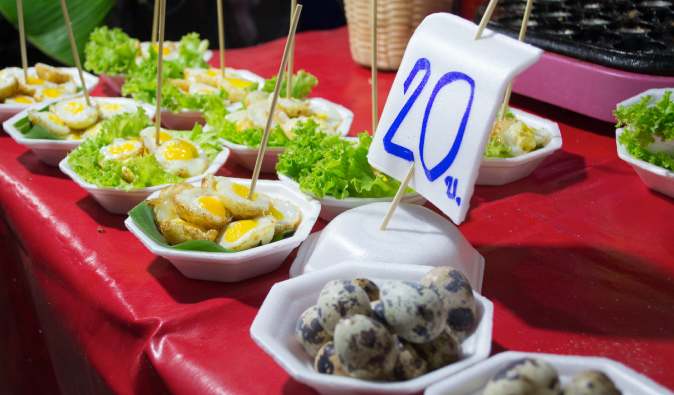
(302, 84)
(633, 145)
(497, 150)
(110, 51)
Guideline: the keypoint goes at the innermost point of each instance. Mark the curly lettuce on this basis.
(495, 148)
(110, 51)
(251, 137)
(302, 84)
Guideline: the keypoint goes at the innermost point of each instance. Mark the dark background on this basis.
(247, 22)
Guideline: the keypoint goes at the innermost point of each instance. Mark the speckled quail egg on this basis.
(50, 121)
(288, 216)
(52, 74)
(377, 313)
(326, 361)
(414, 311)
(456, 295)
(340, 298)
(247, 233)
(163, 205)
(364, 347)
(201, 207)
(177, 231)
(441, 351)
(182, 158)
(108, 110)
(591, 382)
(46, 94)
(409, 364)
(148, 135)
(235, 197)
(76, 113)
(20, 100)
(9, 86)
(197, 88)
(310, 333)
(526, 377)
(370, 288)
(122, 149)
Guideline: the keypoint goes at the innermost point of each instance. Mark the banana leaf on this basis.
(46, 29)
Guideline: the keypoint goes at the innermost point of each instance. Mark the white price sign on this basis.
(442, 107)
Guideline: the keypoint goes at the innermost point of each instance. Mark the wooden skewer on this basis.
(221, 37)
(375, 106)
(160, 58)
(74, 47)
(155, 16)
(272, 110)
(22, 39)
(291, 58)
(396, 199)
(485, 18)
(523, 32)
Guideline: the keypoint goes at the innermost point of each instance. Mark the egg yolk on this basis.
(277, 214)
(180, 150)
(211, 73)
(111, 107)
(239, 83)
(234, 232)
(122, 148)
(212, 205)
(35, 81)
(56, 120)
(74, 107)
(163, 137)
(321, 116)
(51, 92)
(187, 224)
(165, 51)
(22, 100)
(241, 190)
(204, 91)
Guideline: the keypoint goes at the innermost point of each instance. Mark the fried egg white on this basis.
(92, 131)
(107, 110)
(49, 93)
(327, 114)
(235, 198)
(122, 149)
(210, 77)
(20, 100)
(201, 207)
(52, 74)
(163, 204)
(288, 216)
(9, 86)
(148, 135)
(169, 49)
(248, 233)
(67, 88)
(76, 113)
(177, 231)
(197, 88)
(182, 158)
(50, 121)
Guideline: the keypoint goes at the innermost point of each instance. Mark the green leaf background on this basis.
(46, 29)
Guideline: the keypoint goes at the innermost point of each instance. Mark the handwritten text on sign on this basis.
(442, 106)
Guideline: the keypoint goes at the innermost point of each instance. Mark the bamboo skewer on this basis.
(221, 37)
(396, 199)
(22, 38)
(523, 32)
(485, 19)
(375, 106)
(160, 58)
(289, 89)
(74, 47)
(155, 16)
(277, 91)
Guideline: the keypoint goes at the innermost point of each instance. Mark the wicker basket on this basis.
(396, 21)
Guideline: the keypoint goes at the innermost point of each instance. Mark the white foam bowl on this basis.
(52, 152)
(473, 380)
(655, 177)
(332, 206)
(185, 119)
(239, 266)
(118, 201)
(415, 235)
(274, 329)
(246, 156)
(9, 110)
(501, 171)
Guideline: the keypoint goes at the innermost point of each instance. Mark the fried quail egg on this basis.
(364, 347)
(293, 107)
(310, 333)
(327, 362)
(441, 351)
(456, 295)
(33, 86)
(340, 298)
(327, 114)
(47, 94)
(92, 131)
(288, 216)
(50, 121)
(169, 50)
(76, 113)
(163, 205)
(75, 135)
(8, 86)
(148, 135)
(240, 118)
(246, 233)
(526, 377)
(515, 135)
(235, 198)
(201, 207)
(197, 88)
(254, 97)
(109, 109)
(52, 74)
(591, 382)
(370, 288)
(122, 149)
(68, 88)
(182, 158)
(20, 100)
(211, 77)
(177, 231)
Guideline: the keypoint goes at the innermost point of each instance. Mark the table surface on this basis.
(578, 261)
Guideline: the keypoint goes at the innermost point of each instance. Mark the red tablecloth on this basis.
(579, 260)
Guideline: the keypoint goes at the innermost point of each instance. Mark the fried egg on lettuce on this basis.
(248, 233)
(287, 215)
(182, 158)
(50, 121)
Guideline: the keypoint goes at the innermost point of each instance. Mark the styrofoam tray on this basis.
(52, 152)
(9, 110)
(238, 266)
(274, 329)
(501, 171)
(415, 235)
(473, 380)
(246, 156)
(118, 201)
(655, 177)
(332, 206)
(185, 119)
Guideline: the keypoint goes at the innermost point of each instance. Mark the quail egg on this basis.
(148, 135)
(364, 347)
(177, 231)
(591, 382)
(441, 351)
(409, 364)
(328, 114)
(209, 77)
(340, 298)
(163, 205)
(414, 311)
(9, 85)
(108, 110)
(50, 121)
(45, 94)
(310, 333)
(92, 131)
(20, 100)
(327, 362)
(378, 314)
(370, 288)
(526, 377)
(246, 233)
(456, 295)
(288, 216)
(169, 50)
(52, 74)
(182, 158)
(235, 198)
(197, 88)
(67, 88)
(201, 207)
(122, 149)
(76, 113)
